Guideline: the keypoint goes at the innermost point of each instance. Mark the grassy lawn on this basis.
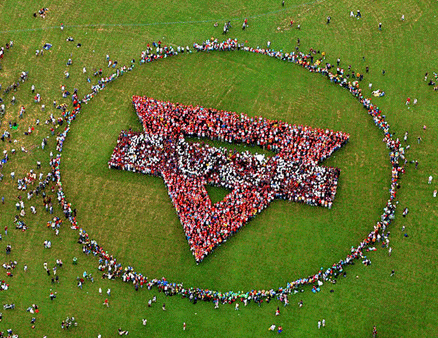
(131, 215)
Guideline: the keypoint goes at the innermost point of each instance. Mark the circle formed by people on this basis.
(292, 173)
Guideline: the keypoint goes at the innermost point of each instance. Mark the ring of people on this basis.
(292, 173)
(255, 181)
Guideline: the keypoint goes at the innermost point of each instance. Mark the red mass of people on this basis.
(254, 180)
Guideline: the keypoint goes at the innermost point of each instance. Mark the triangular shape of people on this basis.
(255, 180)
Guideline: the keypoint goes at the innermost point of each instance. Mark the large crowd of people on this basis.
(255, 181)
(129, 275)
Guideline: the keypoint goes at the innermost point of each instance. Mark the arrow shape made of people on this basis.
(292, 173)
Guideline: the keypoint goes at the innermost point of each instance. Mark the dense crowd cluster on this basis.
(255, 181)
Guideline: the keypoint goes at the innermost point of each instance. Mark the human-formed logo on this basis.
(254, 180)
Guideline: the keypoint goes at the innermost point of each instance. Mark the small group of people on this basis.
(2, 52)
(42, 12)
(27, 183)
(3, 285)
(9, 267)
(321, 323)
(273, 326)
(68, 322)
(15, 85)
(432, 81)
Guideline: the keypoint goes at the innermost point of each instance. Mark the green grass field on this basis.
(131, 215)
